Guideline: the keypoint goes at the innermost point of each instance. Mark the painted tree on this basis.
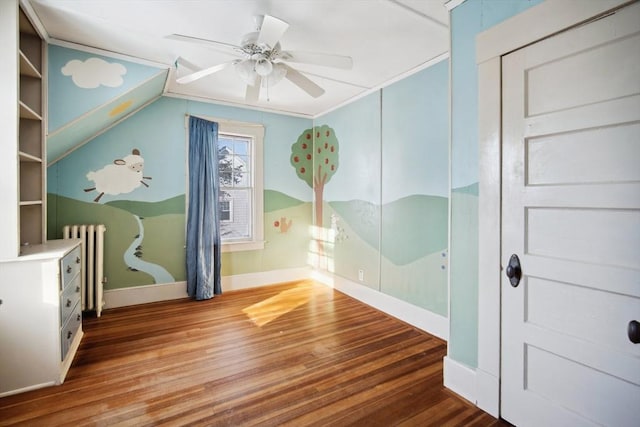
(315, 158)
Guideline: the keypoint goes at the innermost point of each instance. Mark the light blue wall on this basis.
(389, 198)
(357, 127)
(415, 131)
(158, 132)
(467, 20)
(415, 187)
(68, 102)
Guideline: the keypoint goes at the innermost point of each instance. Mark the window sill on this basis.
(242, 246)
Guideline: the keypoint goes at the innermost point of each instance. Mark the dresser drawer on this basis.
(71, 264)
(70, 329)
(69, 298)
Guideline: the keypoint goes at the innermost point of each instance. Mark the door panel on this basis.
(581, 312)
(599, 236)
(585, 390)
(550, 91)
(565, 158)
(571, 212)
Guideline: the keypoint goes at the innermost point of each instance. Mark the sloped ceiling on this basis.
(385, 38)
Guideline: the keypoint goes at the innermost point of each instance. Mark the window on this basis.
(235, 170)
(240, 174)
(241, 189)
(226, 213)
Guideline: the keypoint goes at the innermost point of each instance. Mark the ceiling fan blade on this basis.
(180, 61)
(271, 31)
(253, 92)
(203, 73)
(210, 43)
(303, 82)
(328, 60)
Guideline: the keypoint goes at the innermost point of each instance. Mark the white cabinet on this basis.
(40, 315)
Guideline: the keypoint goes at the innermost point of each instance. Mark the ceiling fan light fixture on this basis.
(263, 67)
(276, 76)
(247, 71)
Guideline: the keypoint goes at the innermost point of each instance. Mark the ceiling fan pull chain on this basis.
(267, 85)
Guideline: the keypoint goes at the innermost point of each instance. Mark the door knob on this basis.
(514, 272)
(633, 331)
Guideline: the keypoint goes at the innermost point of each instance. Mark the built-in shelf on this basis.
(31, 183)
(30, 202)
(28, 113)
(25, 157)
(27, 68)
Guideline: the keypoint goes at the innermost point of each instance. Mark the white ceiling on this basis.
(385, 38)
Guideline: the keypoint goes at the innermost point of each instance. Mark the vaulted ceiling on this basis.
(386, 39)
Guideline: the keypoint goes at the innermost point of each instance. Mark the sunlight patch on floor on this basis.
(270, 309)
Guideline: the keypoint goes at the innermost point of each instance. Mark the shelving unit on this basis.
(40, 309)
(31, 135)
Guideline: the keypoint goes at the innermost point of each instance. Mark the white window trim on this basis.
(255, 131)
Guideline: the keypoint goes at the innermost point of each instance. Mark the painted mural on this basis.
(88, 93)
(373, 174)
(80, 82)
(315, 159)
(120, 177)
(388, 204)
(132, 178)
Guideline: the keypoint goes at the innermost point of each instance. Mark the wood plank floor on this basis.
(291, 354)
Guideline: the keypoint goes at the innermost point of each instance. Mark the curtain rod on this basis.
(221, 120)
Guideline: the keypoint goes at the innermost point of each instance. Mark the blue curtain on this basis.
(203, 226)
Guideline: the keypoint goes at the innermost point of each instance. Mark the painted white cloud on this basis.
(94, 72)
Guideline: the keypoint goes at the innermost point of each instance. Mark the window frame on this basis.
(255, 131)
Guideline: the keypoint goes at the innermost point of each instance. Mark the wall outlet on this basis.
(361, 275)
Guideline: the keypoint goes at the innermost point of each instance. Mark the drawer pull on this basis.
(77, 289)
(77, 260)
(69, 269)
(79, 317)
(69, 334)
(68, 303)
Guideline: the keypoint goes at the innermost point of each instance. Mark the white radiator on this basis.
(92, 276)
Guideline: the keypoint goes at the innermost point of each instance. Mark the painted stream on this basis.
(159, 273)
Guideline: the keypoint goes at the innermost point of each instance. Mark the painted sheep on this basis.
(121, 177)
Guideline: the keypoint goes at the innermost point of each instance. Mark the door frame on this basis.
(532, 25)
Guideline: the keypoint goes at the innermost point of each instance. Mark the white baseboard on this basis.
(167, 291)
(123, 297)
(264, 278)
(419, 317)
(460, 379)
(488, 392)
(26, 389)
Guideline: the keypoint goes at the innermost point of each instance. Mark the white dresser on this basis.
(40, 315)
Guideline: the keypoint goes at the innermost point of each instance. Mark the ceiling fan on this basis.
(262, 62)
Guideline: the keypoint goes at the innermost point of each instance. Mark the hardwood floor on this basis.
(292, 354)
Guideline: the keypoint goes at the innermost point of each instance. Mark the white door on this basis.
(571, 213)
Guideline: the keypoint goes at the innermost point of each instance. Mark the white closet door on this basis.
(571, 213)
